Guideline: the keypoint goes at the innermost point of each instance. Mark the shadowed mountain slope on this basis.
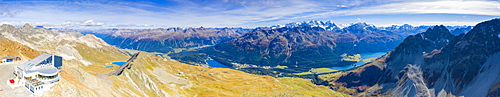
(166, 40)
(435, 63)
(298, 46)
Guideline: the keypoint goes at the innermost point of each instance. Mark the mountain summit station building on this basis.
(40, 73)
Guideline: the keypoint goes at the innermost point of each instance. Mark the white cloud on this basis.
(5, 11)
(431, 23)
(447, 7)
(77, 24)
(89, 24)
(232, 12)
(190, 15)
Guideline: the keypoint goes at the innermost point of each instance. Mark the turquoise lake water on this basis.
(213, 63)
(118, 63)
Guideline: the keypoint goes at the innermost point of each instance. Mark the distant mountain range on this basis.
(300, 46)
(435, 63)
(404, 29)
(303, 45)
(328, 25)
(166, 40)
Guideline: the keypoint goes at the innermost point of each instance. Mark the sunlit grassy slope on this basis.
(322, 70)
(12, 48)
(203, 81)
(179, 79)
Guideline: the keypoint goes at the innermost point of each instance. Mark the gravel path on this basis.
(6, 73)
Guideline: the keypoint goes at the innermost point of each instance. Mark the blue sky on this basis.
(242, 13)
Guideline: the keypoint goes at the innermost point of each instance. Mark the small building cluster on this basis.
(8, 59)
(38, 74)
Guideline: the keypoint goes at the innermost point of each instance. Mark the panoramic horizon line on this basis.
(90, 24)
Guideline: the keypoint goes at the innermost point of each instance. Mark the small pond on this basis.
(118, 63)
(213, 63)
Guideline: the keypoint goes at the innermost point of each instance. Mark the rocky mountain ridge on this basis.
(404, 29)
(435, 63)
(328, 25)
(298, 47)
(166, 40)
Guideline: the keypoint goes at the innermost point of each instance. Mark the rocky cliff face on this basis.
(435, 63)
(265, 46)
(85, 58)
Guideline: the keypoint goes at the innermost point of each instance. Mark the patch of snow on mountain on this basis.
(341, 26)
(86, 63)
(329, 25)
(68, 52)
(91, 41)
(66, 57)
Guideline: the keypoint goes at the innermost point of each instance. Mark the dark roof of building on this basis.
(10, 57)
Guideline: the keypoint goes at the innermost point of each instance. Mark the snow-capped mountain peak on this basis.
(328, 25)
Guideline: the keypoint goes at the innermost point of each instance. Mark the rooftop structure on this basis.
(40, 73)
